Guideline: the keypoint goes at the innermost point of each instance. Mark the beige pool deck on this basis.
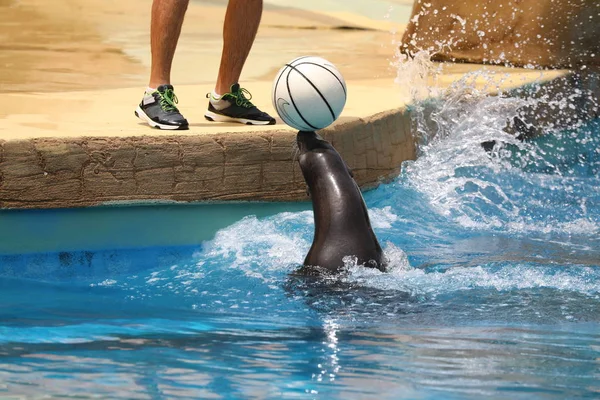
(72, 78)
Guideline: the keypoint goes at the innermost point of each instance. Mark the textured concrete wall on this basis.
(539, 33)
(87, 171)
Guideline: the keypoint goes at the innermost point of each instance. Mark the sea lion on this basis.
(342, 226)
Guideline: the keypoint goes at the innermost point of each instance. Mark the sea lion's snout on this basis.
(308, 140)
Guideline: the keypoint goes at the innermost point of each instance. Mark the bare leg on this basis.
(239, 30)
(167, 19)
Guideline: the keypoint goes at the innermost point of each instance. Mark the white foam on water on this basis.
(584, 280)
(106, 282)
(401, 276)
(579, 226)
(382, 218)
(261, 247)
(481, 189)
(398, 265)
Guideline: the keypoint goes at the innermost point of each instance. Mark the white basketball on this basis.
(309, 93)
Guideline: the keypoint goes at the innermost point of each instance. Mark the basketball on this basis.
(309, 93)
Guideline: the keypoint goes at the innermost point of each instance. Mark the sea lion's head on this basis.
(309, 141)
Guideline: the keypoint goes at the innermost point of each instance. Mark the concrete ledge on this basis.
(88, 171)
(207, 164)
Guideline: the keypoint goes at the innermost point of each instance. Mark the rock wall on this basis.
(532, 33)
(88, 171)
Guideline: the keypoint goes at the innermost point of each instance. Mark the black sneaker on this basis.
(236, 107)
(159, 111)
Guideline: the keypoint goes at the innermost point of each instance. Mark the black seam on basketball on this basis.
(326, 69)
(287, 82)
(298, 59)
(318, 91)
(286, 117)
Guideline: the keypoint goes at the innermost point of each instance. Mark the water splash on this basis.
(500, 162)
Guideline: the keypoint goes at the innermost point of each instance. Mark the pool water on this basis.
(493, 291)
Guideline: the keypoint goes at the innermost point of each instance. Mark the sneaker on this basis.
(159, 111)
(235, 106)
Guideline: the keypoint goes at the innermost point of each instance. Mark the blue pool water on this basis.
(494, 291)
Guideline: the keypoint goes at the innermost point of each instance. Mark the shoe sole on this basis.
(142, 115)
(211, 116)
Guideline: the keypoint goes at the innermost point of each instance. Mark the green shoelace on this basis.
(242, 98)
(168, 100)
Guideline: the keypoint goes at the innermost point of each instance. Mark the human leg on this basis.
(231, 103)
(158, 106)
(242, 19)
(166, 21)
